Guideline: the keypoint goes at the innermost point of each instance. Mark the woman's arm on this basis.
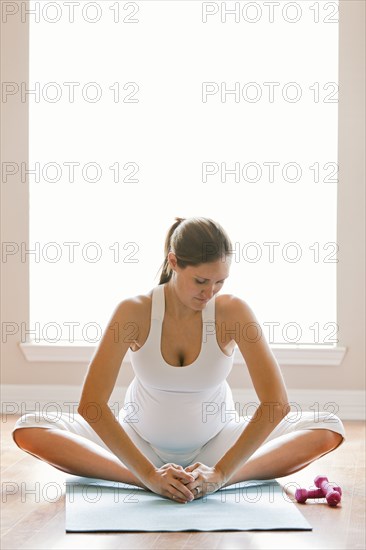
(268, 384)
(98, 385)
(93, 406)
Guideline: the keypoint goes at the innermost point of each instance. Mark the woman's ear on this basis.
(172, 259)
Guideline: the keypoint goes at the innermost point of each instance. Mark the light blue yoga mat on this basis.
(98, 505)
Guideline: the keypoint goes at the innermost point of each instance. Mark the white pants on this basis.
(209, 454)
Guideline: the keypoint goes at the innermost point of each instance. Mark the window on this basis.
(143, 111)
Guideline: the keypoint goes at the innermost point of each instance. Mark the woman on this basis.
(179, 433)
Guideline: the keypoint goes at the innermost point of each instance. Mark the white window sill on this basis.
(297, 354)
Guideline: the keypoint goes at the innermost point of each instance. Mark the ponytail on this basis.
(167, 272)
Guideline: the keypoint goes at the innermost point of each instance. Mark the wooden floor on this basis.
(33, 510)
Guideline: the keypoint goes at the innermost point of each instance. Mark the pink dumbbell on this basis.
(330, 492)
(327, 492)
(302, 495)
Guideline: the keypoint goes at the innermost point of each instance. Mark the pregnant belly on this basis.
(174, 421)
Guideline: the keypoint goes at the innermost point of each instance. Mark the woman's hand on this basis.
(208, 479)
(170, 481)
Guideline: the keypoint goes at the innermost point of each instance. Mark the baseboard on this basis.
(19, 399)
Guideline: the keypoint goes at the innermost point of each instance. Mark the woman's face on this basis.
(196, 285)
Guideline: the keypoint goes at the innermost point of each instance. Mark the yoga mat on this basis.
(94, 505)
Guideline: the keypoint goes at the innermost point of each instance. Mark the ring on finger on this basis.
(198, 490)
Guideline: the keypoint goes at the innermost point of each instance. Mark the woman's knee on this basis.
(334, 439)
(328, 439)
(28, 439)
(29, 430)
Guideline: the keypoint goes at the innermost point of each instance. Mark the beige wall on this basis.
(351, 223)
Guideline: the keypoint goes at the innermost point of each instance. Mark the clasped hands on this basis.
(185, 484)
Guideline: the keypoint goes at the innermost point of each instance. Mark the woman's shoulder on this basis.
(136, 306)
(229, 306)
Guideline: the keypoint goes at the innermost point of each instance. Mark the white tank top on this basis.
(178, 408)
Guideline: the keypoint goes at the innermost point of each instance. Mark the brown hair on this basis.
(194, 241)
